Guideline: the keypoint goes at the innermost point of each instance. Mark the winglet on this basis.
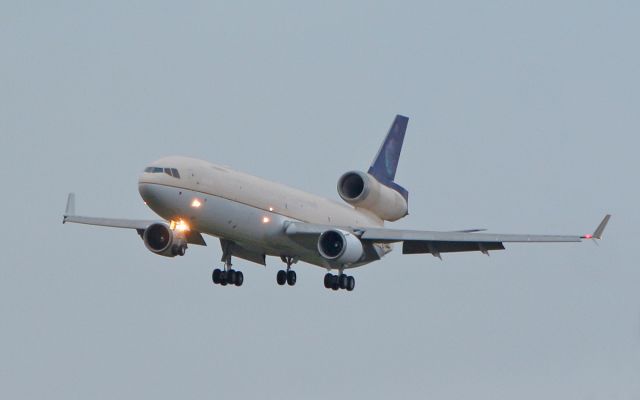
(597, 234)
(71, 207)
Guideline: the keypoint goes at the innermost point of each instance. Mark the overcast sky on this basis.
(524, 118)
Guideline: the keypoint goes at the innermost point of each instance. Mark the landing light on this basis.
(196, 203)
(180, 226)
(270, 208)
(265, 220)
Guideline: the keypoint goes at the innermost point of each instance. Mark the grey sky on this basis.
(524, 118)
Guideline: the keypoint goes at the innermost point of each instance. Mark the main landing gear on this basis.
(341, 281)
(228, 276)
(179, 250)
(288, 276)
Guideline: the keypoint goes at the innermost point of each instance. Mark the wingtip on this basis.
(71, 206)
(597, 234)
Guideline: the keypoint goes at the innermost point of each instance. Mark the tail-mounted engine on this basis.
(161, 239)
(340, 246)
(364, 191)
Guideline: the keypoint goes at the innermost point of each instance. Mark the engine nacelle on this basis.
(364, 191)
(340, 246)
(161, 239)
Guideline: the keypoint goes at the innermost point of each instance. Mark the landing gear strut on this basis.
(227, 276)
(288, 276)
(341, 281)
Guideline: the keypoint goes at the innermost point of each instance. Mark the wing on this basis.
(140, 225)
(435, 242)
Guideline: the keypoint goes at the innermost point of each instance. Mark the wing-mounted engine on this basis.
(340, 246)
(160, 239)
(364, 191)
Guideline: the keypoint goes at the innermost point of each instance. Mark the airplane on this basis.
(254, 218)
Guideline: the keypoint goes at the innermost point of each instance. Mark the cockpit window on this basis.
(158, 170)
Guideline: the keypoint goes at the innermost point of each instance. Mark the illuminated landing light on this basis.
(180, 226)
(196, 203)
(265, 220)
(270, 208)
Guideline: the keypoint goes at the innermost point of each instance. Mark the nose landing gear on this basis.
(228, 276)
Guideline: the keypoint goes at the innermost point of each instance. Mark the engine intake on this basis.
(160, 239)
(364, 191)
(340, 246)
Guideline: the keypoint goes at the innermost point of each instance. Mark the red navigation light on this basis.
(588, 236)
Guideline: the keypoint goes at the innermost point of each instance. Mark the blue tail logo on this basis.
(385, 164)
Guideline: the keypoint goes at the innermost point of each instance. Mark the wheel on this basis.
(174, 250)
(291, 277)
(335, 285)
(342, 281)
(351, 283)
(281, 278)
(216, 276)
(182, 250)
(327, 280)
(231, 277)
(239, 278)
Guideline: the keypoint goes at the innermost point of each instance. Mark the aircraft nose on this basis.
(147, 192)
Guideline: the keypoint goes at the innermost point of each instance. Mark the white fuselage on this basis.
(242, 208)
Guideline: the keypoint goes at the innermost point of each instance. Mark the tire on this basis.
(239, 278)
(342, 281)
(327, 280)
(281, 278)
(224, 276)
(351, 283)
(335, 285)
(182, 250)
(216, 276)
(231, 277)
(291, 277)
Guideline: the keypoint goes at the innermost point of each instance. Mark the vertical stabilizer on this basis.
(385, 164)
